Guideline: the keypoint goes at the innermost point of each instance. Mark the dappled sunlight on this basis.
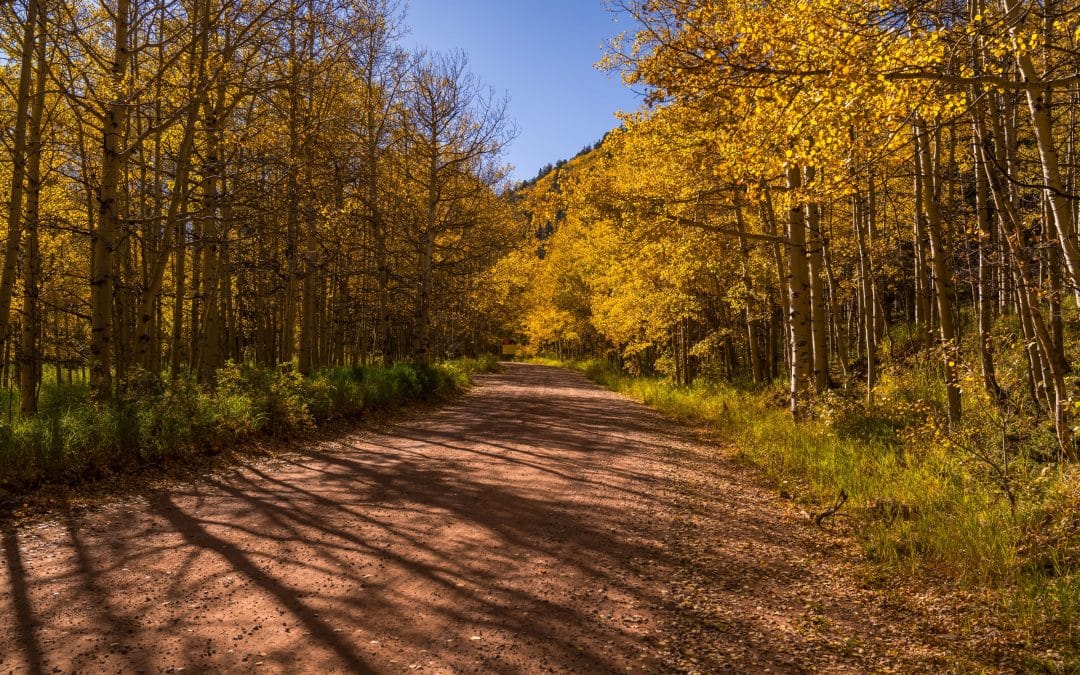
(371, 547)
(540, 522)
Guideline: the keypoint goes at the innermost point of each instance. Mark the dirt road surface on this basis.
(533, 525)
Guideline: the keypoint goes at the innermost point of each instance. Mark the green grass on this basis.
(71, 439)
(920, 499)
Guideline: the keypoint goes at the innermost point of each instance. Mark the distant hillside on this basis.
(540, 200)
(548, 168)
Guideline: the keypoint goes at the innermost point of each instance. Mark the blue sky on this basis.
(541, 54)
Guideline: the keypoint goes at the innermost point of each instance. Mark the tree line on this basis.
(832, 193)
(190, 182)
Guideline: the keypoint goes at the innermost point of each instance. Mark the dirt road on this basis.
(528, 527)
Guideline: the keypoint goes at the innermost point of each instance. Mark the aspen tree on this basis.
(19, 158)
(30, 334)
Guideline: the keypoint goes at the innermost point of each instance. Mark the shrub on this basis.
(277, 395)
(71, 439)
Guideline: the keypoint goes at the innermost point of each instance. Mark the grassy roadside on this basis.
(72, 441)
(918, 501)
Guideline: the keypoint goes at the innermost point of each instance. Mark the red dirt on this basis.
(535, 525)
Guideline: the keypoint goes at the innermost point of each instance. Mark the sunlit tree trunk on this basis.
(799, 294)
(859, 219)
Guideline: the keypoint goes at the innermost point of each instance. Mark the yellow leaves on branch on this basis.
(747, 90)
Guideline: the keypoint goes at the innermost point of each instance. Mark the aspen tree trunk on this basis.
(942, 276)
(1042, 124)
(922, 277)
(688, 368)
(29, 348)
(374, 127)
(151, 215)
(729, 352)
(984, 210)
(209, 346)
(265, 345)
(799, 294)
(195, 292)
(839, 339)
(1050, 372)
(1003, 121)
(231, 347)
(866, 296)
(122, 274)
(322, 356)
(382, 262)
(1005, 145)
(1057, 318)
(288, 319)
(422, 344)
(208, 356)
(341, 349)
(774, 337)
(383, 333)
(334, 290)
(292, 195)
(156, 276)
(673, 341)
(147, 340)
(1040, 387)
(176, 340)
(1046, 370)
(753, 324)
(232, 343)
(102, 272)
(421, 351)
(1052, 257)
(877, 313)
(308, 356)
(155, 233)
(768, 217)
(819, 319)
(1071, 157)
(18, 167)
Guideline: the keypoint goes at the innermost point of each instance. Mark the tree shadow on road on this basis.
(533, 514)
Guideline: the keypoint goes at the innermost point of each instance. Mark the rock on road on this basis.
(521, 528)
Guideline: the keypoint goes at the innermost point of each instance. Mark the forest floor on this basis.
(537, 524)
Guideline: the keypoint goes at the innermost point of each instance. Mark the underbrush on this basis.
(980, 504)
(71, 439)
